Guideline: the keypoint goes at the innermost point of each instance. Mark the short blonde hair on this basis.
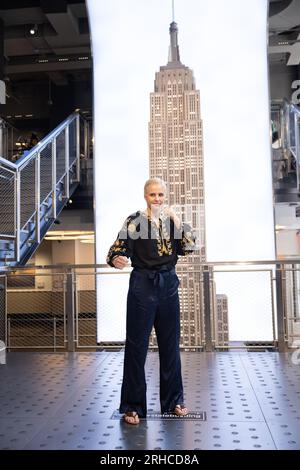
(155, 181)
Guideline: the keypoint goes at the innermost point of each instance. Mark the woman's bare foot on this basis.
(131, 417)
(181, 410)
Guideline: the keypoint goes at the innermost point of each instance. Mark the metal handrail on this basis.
(40, 145)
(241, 263)
(288, 120)
(283, 290)
(292, 106)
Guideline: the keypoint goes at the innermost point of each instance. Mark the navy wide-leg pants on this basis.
(152, 300)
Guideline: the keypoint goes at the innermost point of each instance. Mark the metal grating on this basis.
(72, 142)
(46, 171)
(68, 401)
(60, 156)
(37, 318)
(7, 202)
(3, 308)
(86, 318)
(27, 190)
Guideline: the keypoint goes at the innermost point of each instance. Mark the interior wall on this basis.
(43, 257)
(63, 252)
(288, 244)
(282, 78)
(71, 219)
(288, 226)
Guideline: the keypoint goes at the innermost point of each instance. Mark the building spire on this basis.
(173, 48)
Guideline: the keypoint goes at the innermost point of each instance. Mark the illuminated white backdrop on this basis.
(226, 46)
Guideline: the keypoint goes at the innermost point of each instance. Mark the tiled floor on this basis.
(69, 401)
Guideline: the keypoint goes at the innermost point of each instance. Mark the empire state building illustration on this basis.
(176, 156)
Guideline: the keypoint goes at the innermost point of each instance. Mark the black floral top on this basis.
(150, 246)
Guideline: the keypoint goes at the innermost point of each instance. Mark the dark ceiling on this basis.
(276, 6)
(46, 68)
(60, 45)
(56, 60)
(60, 48)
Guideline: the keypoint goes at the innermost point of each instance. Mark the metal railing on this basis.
(59, 309)
(286, 120)
(35, 189)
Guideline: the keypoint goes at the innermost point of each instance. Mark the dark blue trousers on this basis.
(152, 300)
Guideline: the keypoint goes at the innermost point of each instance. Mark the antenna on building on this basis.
(174, 48)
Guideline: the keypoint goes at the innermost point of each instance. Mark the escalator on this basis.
(36, 188)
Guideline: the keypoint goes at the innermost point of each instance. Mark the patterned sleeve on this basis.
(122, 246)
(187, 242)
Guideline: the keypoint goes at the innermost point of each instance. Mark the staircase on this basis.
(35, 189)
(286, 151)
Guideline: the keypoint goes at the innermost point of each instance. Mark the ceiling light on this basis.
(33, 30)
(70, 232)
(70, 237)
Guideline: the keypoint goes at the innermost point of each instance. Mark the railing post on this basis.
(284, 126)
(77, 342)
(289, 127)
(70, 310)
(17, 214)
(54, 177)
(280, 309)
(78, 147)
(11, 140)
(2, 140)
(295, 289)
(86, 138)
(8, 334)
(297, 148)
(3, 309)
(37, 198)
(54, 334)
(67, 163)
(207, 309)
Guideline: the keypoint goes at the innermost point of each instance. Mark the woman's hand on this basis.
(169, 212)
(120, 262)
